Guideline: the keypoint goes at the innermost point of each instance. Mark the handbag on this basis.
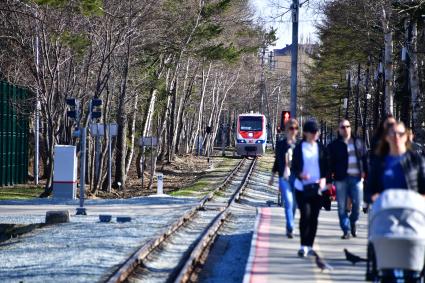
(327, 197)
(311, 190)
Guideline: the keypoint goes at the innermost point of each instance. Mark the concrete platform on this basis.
(273, 257)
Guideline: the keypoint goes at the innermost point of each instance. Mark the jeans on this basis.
(288, 199)
(349, 187)
(309, 209)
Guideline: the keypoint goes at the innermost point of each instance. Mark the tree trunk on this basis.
(414, 81)
(180, 116)
(205, 77)
(130, 152)
(120, 170)
(211, 121)
(388, 58)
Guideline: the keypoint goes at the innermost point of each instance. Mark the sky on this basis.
(265, 10)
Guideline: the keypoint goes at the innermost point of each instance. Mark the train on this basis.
(251, 134)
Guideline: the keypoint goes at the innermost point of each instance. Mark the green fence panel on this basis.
(2, 135)
(14, 129)
(7, 137)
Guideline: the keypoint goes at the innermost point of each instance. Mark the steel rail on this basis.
(124, 271)
(209, 235)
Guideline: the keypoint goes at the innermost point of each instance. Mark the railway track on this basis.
(175, 253)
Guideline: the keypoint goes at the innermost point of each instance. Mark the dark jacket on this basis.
(282, 147)
(298, 162)
(413, 165)
(338, 158)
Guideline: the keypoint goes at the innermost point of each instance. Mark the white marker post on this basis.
(160, 185)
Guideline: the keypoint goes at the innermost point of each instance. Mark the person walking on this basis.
(347, 159)
(309, 165)
(282, 164)
(379, 134)
(396, 165)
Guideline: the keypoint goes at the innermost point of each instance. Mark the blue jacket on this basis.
(413, 165)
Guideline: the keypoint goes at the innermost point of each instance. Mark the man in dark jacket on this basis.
(347, 168)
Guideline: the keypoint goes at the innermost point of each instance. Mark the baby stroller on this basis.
(397, 233)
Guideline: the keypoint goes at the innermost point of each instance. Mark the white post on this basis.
(160, 185)
(109, 158)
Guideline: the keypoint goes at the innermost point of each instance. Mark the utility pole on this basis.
(348, 94)
(339, 110)
(367, 96)
(356, 108)
(81, 210)
(294, 57)
(271, 66)
(262, 86)
(37, 106)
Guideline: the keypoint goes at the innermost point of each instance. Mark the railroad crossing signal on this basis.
(95, 110)
(74, 105)
(286, 116)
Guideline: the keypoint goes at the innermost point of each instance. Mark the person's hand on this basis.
(286, 173)
(322, 183)
(374, 197)
(271, 181)
(365, 208)
(305, 176)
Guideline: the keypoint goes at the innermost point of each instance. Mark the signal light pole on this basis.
(295, 7)
(75, 114)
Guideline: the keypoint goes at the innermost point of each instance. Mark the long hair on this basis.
(379, 132)
(292, 122)
(383, 147)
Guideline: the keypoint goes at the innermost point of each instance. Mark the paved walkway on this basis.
(273, 257)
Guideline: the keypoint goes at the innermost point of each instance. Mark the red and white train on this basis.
(251, 134)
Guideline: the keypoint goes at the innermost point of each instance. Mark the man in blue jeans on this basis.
(347, 168)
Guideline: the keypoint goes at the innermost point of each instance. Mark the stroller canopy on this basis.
(397, 229)
(398, 213)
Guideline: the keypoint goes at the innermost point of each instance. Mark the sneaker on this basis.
(289, 235)
(311, 252)
(346, 236)
(302, 252)
(353, 230)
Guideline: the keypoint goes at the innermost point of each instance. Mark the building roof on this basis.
(286, 51)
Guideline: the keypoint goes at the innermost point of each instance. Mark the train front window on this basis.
(250, 123)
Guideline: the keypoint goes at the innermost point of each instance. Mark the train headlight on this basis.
(241, 141)
(260, 141)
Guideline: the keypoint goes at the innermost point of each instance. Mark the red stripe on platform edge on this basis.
(260, 267)
(65, 182)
